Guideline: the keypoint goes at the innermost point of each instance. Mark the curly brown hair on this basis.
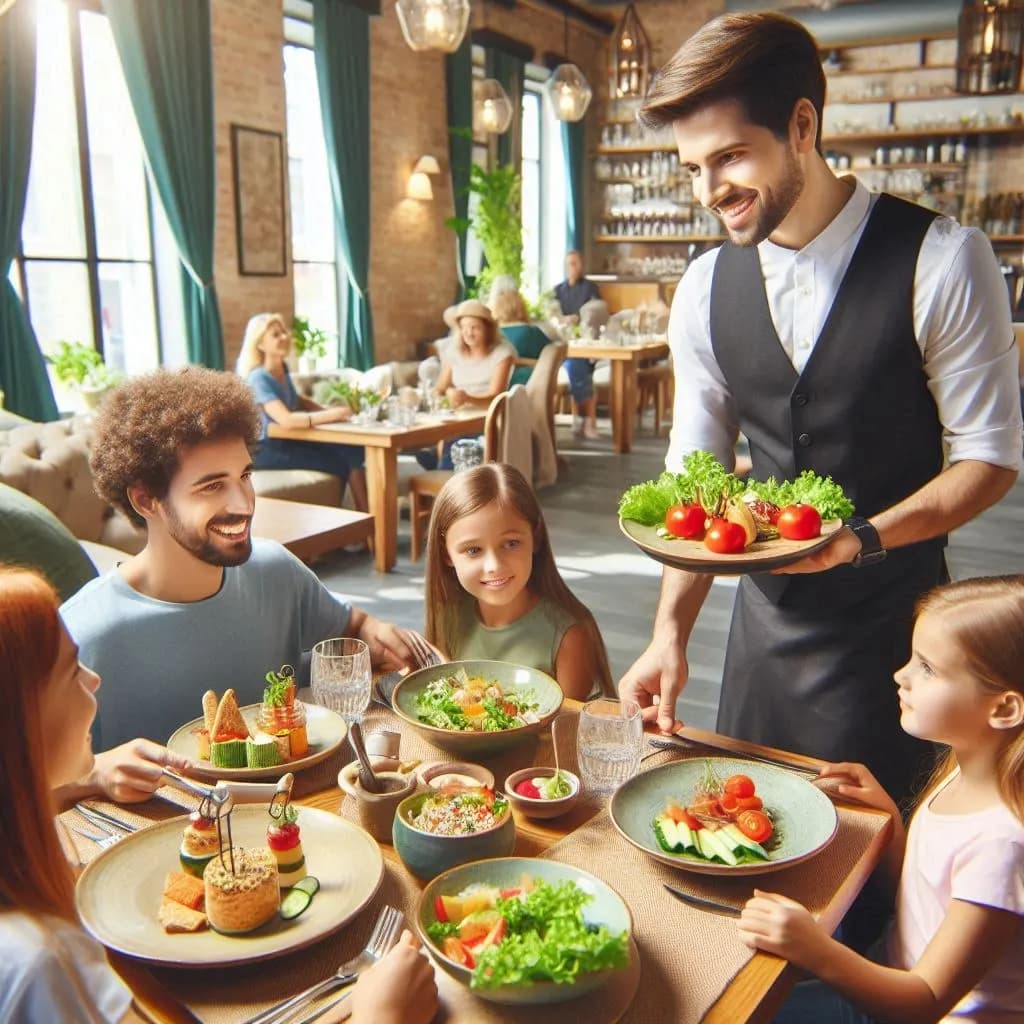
(145, 423)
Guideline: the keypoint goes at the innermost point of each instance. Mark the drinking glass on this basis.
(340, 676)
(608, 741)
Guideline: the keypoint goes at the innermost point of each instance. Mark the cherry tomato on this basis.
(686, 521)
(739, 785)
(725, 538)
(283, 837)
(749, 803)
(755, 825)
(730, 803)
(799, 522)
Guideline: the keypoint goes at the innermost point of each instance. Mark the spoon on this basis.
(367, 779)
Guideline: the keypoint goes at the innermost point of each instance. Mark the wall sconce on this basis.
(420, 186)
(989, 45)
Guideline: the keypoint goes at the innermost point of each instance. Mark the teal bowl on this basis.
(607, 907)
(427, 855)
(546, 691)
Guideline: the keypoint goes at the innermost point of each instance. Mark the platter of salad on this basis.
(477, 706)
(719, 816)
(705, 519)
(518, 930)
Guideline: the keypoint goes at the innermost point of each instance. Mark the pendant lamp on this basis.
(568, 88)
(492, 109)
(433, 24)
(989, 46)
(631, 56)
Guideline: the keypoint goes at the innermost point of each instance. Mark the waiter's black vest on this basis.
(860, 412)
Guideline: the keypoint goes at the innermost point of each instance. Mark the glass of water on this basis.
(340, 676)
(608, 740)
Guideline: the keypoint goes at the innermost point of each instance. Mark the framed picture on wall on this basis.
(258, 160)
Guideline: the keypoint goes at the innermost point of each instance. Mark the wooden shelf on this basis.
(1003, 239)
(920, 133)
(912, 166)
(658, 239)
(833, 102)
(847, 72)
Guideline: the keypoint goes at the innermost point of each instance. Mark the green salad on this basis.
(464, 703)
(531, 933)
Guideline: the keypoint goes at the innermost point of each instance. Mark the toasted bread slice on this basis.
(209, 710)
(177, 918)
(187, 890)
(229, 720)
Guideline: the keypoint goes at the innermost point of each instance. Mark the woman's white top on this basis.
(474, 376)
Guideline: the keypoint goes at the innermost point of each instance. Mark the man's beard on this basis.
(775, 206)
(205, 548)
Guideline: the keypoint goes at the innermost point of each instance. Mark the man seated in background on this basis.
(203, 605)
(572, 294)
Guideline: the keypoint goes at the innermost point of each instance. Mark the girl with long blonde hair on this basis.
(955, 951)
(493, 590)
(50, 970)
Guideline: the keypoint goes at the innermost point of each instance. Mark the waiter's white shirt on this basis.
(961, 320)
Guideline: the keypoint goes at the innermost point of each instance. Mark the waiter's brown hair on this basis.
(766, 62)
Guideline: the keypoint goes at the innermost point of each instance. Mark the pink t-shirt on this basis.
(977, 858)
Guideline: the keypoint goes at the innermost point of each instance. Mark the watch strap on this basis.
(871, 549)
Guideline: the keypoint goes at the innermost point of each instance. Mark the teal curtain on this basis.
(511, 72)
(23, 376)
(165, 52)
(459, 84)
(573, 141)
(341, 45)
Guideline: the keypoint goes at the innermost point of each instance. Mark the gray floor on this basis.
(619, 584)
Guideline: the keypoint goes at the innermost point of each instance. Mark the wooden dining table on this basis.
(625, 363)
(752, 996)
(383, 441)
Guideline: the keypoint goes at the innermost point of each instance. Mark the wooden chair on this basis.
(655, 386)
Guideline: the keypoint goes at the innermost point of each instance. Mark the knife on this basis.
(702, 903)
(678, 742)
(104, 818)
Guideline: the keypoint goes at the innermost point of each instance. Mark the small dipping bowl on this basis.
(377, 810)
(531, 806)
(436, 775)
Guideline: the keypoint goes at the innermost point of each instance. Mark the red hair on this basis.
(34, 874)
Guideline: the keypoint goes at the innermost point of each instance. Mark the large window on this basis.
(97, 263)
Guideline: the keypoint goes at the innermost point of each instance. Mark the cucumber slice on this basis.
(741, 841)
(295, 903)
(308, 884)
(712, 846)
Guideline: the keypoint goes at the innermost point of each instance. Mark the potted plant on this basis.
(81, 369)
(310, 343)
(497, 221)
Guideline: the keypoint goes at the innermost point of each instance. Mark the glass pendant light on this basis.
(631, 56)
(989, 45)
(433, 24)
(492, 109)
(568, 88)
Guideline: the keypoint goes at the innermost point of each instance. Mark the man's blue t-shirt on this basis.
(266, 387)
(573, 297)
(156, 659)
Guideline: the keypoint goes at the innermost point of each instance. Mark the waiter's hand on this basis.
(655, 680)
(841, 550)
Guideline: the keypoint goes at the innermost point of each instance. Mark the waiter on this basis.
(853, 334)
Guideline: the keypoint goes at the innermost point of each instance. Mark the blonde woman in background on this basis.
(261, 363)
(526, 338)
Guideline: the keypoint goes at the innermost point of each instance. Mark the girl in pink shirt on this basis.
(955, 952)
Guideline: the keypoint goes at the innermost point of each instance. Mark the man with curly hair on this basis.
(203, 605)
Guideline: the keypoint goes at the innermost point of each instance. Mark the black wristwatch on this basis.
(871, 550)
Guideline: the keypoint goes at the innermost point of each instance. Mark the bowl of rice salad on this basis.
(440, 829)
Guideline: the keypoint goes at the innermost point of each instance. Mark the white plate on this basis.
(325, 730)
(118, 894)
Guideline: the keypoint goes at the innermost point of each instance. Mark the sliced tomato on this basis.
(456, 950)
(730, 803)
(511, 894)
(750, 803)
(708, 805)
(440, 910)
(755, 825)
(681, 815)
(476, 927)
(495, 935)
(739, 785)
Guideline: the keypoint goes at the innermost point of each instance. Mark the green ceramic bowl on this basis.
(469, 744)
(607, 907)
(805, 817)
(426, 855)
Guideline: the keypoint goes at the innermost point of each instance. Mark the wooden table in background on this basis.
(625, 360)
(383, 442)
(309, 531)
(752, 997)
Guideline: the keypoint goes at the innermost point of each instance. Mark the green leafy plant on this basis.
(81, 368)
(340, 392)
(497, 221)
(309, 340)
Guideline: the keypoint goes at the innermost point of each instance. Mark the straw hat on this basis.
(471, 307)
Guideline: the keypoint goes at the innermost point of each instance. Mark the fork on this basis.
(426, 656)
(102, 840)
(383, 937)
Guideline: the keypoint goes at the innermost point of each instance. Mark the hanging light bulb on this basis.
(569, 92)
(990, 46)
(492, 109)
(433, 24)
(631, 57)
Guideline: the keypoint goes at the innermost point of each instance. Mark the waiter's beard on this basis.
(775, 204)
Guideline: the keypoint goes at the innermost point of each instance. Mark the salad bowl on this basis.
(604, 908)
(530, 684)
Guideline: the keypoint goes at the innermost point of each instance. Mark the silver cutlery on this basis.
(102, 840)
(677, 742)
(425, 655)
(384, 935)
(702, 902)
(103, 819)
(323, 1010)
(384, 687)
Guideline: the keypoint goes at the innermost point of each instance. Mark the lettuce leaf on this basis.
(823, 493)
